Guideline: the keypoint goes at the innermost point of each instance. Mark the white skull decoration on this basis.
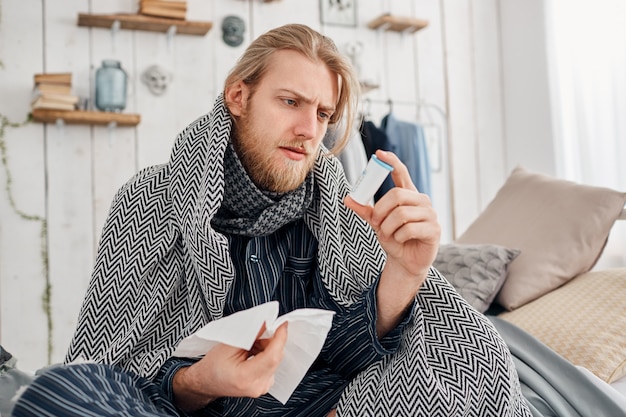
(157, 79)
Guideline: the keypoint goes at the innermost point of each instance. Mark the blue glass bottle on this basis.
(111, 86)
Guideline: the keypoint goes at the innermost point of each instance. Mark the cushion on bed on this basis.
(477, 272)
(560, 227)
(584, 321)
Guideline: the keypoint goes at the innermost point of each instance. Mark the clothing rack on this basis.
(367, 101)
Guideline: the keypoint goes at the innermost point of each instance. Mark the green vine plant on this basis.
(46, 296)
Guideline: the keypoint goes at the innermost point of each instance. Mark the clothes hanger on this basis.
(367, 108)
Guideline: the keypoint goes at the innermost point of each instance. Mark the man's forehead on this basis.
(284, 74)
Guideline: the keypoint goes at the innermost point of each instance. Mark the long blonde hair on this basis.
(252, 65)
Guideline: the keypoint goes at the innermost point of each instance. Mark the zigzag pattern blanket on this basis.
(161, 273)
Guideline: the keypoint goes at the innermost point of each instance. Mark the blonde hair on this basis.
(253, 64)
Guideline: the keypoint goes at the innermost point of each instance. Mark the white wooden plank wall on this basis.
(67, 176)
(23, 275)
(471, 71)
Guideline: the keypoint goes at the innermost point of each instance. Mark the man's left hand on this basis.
(408, 231)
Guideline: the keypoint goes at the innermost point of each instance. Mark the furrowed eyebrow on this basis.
(301, 97)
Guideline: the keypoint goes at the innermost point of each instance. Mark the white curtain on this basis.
(587, 57)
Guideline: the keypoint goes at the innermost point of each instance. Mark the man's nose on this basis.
(307, 125)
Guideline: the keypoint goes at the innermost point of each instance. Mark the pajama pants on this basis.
(93, 390)
(104, 390)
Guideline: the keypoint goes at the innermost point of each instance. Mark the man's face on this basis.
(280, 127)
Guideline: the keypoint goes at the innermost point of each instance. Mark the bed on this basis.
(527, 262)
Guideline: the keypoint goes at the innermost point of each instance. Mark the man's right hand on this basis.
(226, 371)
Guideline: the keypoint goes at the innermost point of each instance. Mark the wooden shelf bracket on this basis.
(171, 31)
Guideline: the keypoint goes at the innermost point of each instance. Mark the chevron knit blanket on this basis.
(161, 273)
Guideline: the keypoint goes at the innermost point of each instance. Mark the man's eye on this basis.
(290, 102)
(324, 115)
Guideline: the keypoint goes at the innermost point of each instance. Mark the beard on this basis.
(257, 155)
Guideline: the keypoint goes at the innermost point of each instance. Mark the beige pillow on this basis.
(559, 226)
(584, 321)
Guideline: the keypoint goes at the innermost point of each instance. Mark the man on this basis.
(251, 208)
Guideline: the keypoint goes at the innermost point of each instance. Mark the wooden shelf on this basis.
(142, 22)
(85, 117)
(397, 23)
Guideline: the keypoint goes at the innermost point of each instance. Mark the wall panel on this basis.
(113, 148)
(23, 269)
(226, 56)
(489, 112)
(461, 111)
(266, 15)
(432, 112)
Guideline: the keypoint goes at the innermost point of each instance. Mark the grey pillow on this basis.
(476, 271)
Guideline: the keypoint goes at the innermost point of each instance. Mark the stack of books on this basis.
(173, 9)
(54, 91)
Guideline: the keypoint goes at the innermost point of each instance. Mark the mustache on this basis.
(297, 144)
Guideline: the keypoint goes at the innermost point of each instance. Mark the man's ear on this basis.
(236, 97)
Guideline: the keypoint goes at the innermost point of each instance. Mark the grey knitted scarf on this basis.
(249, 211)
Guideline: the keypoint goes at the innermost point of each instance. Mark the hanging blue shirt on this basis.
(409, 141)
